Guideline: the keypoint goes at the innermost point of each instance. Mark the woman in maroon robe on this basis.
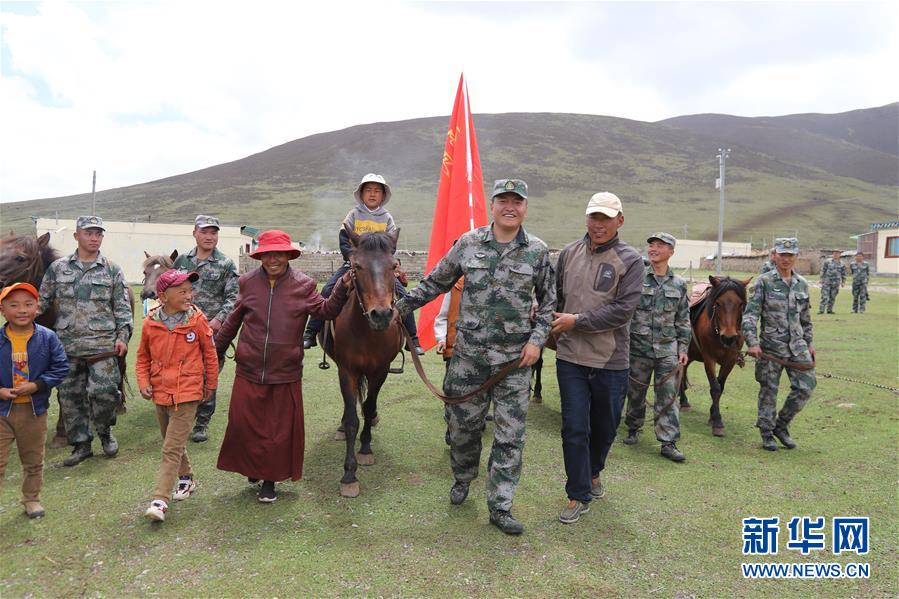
(265, 437)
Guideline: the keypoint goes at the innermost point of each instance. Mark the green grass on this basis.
(662, 530)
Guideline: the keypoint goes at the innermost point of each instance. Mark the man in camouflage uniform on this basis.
(780, 299)
(833, 276)
(660, 339)
(215, 293)
(93, 317)
(860, 273)
(504, 269)
(769, 263)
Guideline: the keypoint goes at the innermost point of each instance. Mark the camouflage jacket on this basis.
(860, 273)
(500, 285)
(661, 325)
(215, 292)
(786, 323)
(833, 272)
(93, 308)
(767, 267)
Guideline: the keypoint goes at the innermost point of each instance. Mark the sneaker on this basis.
(81, 452)
(459, 492)
(186, 486)
(596, 488)
(670, 451)
(309, 340)
(109, 443)
(267, 492)
(506, 522)
(199, 434)
(157, 510)
(571, 513)
(34, 509)
(768, 443)
(783, 435)
(631, 438)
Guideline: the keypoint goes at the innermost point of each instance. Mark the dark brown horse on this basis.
(717, 339)
(365, 341)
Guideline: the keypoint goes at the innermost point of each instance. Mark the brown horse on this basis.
(366, 339)
(154, 266)
(717, 339)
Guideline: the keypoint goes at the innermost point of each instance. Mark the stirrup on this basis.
(393, 370)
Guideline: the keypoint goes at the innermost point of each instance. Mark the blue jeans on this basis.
(592, 402)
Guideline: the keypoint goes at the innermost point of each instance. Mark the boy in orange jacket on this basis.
(177, 368)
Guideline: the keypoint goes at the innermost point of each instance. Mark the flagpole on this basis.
(468, 166)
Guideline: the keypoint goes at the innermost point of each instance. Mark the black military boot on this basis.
(109, 443)
(81, 452)
(670, 451)
(769, 443)
(200, 433)
(631, 438)
(506, 522)
(459, 492)
(783, 435)
(309, 340)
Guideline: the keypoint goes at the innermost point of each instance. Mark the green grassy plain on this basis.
(663, 530)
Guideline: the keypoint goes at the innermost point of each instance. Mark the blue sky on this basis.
(143, 90)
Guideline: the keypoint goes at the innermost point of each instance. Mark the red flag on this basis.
(460, 199)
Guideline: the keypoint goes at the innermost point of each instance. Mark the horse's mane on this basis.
(376, 242)
(29, 245)
(726, 284)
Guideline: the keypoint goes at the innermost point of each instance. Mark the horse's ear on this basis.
(746, 282)
(394, 237)
(146, 254)
(43, 240)
(354, 237)
(174, 255)
(715, 281)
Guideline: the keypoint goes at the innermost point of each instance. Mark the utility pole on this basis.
(722, 156)
(94, 196)
(685, 230)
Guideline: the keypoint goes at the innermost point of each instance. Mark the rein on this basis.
(676, 373)
(358, 291)
(791, 365)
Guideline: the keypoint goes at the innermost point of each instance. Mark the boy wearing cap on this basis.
(177, 368)
(504, 268)
(94, 321)
(860, 272)
(367, 216)
(215, 293)
(598, 284)
(780, 300)
(32, 362)
(660, 339)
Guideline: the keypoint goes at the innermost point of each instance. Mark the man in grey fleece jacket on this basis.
(598, 284)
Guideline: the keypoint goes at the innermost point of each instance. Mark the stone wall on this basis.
(807, 263)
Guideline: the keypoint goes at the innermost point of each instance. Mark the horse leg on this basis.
(684, 383)
(369, 410)
(538, 385)
(349, 386)
(715, 415)
(715, 392)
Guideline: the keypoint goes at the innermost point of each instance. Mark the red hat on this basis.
(16, 286)
(173, 278)
(274, 241)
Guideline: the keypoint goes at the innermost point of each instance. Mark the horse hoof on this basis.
(375, 421)
(365, 459)
(340, 436)
(718, 431)
(537, 399)
(58, 442)
(686, 408)
(349, 490)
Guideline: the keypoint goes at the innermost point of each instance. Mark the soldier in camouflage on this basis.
(833, 276)
(769, 263)
(860, 272)
(93, 317)
(780, 300)
(504, 269)
(215, 293)
(660, 338)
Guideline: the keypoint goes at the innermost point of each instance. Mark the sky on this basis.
(143, 90)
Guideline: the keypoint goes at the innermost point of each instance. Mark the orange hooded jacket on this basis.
(175, 363)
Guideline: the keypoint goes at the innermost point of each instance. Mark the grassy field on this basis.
(663, 530)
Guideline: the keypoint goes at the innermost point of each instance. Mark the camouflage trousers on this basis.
(88, 394)
(207, 408)
(466, 423)
(802, 383)
(666, 408)
(859, 297)
(829, 293)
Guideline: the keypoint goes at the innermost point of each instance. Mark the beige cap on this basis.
(605, 202)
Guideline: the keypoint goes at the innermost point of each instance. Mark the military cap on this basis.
(516, 186)
(786, 245)
(664, 238)
(202, 221)
(89, 222)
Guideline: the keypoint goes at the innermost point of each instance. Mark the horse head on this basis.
(153, 267)
(725, 306)
(374, 271)
(24, 258)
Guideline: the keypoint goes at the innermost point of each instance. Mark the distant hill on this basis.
(823, 177)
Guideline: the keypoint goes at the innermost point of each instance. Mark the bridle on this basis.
(358, 290)
(713, 316)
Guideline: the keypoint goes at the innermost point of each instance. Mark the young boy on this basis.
(32, 361)
(176, 351)
(368, 216)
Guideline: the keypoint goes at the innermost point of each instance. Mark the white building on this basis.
(693, 251)
(881, 247)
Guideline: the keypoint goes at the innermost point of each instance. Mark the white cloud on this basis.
(146, 90)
